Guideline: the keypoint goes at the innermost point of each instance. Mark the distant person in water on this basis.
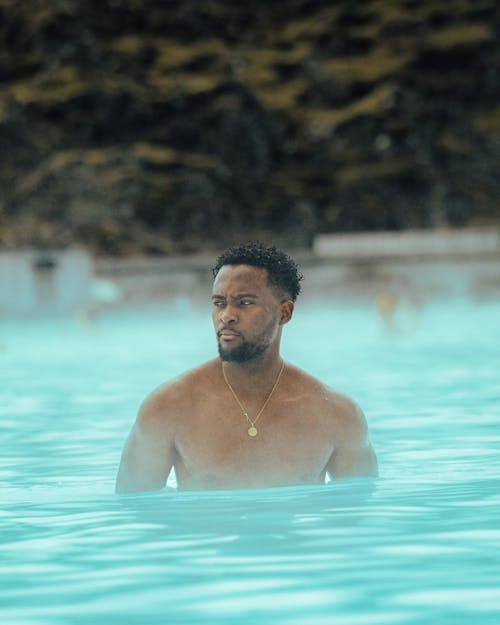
(247, 419)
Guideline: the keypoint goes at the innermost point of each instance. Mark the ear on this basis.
(286, 311)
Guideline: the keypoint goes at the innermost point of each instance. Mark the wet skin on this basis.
(195, 425)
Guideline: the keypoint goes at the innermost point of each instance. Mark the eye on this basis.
(218, 303)
(246, 302)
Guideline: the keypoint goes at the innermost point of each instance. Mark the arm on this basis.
(353, 455)
(149, 451)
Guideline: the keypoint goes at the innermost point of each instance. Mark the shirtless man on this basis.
(246, 419)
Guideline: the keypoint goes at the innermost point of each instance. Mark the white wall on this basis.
(51, 281)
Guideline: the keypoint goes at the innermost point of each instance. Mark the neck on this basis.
(258, 371)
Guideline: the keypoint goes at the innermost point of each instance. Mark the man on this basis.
(247, 419)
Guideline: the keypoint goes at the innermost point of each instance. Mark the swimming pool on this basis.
(422, 547)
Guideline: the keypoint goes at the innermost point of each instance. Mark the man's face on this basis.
(247, 312)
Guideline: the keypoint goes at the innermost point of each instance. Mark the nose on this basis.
(228, 315)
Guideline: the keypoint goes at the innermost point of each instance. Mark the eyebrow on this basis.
(237, 296)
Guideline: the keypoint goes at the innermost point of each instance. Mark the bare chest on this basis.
(215, 449)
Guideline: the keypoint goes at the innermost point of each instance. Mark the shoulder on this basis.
(343, 414)
(349, 420)
(174, 398)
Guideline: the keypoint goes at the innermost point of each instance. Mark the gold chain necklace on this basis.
(252, 430)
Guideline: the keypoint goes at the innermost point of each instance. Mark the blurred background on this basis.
(133, 133)
(165, 127)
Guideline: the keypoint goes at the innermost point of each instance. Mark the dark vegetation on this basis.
(163, 126)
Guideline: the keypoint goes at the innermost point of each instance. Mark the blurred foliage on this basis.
(159, 127)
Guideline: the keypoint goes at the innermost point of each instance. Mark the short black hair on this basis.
(283, 273)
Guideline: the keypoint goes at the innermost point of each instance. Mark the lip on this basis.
(227, 334)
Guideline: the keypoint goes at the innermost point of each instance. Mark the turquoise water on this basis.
(421, 544)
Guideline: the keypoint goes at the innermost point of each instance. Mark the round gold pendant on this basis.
(252, 431)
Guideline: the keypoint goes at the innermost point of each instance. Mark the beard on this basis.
(242, 353)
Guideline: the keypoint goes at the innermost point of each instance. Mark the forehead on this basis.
(239, 279)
